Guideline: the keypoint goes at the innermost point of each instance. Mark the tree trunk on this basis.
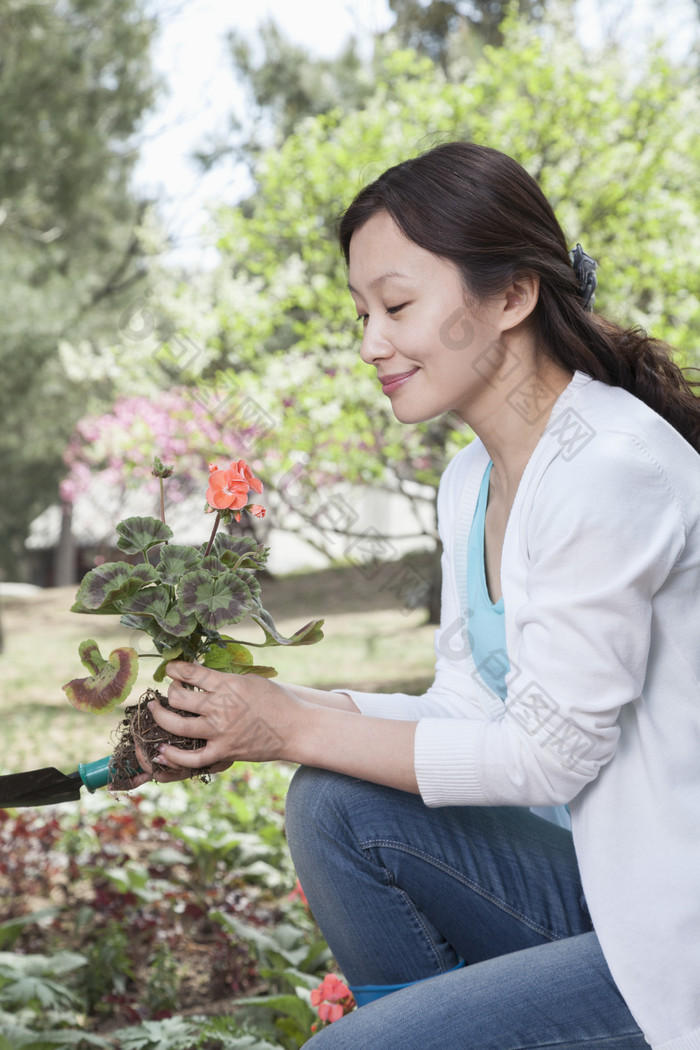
(435, 591)
(66, 564)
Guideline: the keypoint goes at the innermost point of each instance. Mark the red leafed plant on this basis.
(182, 596)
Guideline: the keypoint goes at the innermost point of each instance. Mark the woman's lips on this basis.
(393, 382)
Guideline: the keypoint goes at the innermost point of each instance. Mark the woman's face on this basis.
(431, 352)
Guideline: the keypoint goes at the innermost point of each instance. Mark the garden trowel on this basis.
(48, 787)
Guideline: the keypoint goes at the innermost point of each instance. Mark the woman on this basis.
(432, 832)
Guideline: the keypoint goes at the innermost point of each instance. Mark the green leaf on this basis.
(240, 551)
(106, 588)
(111, 682)
(234, 658)
(289, 1005)
(158, 603)
(172, 1033)
(222, 658)
(309, 634)
(11, 929)
(176, 560)
(213, 565)
(252, 582)
(227, 1035)
(168, 655)
(90, 656)
(259, 669)
(138, 535)
(214, 601)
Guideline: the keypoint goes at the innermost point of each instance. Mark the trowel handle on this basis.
(96, 774)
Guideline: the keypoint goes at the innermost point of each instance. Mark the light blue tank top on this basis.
(486, 627)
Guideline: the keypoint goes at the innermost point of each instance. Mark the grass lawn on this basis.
(371, 642)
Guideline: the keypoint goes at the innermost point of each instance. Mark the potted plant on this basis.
(183, 598)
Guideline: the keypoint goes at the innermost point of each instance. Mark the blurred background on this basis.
(171, 172)
(170, 175)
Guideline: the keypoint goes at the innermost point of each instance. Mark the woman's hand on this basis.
(241, 717)
(248, 718)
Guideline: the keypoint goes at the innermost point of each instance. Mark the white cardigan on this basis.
(601, 584)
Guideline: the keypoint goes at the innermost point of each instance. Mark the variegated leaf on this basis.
(108, 587)
(138, 535)
(240, 551)
(175, 560)
(214, 600)
(157, 602)
(110, 683)
(309, 634)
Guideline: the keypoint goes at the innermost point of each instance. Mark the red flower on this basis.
(228, 489)
(242, 467)
(333, 999)
(330, 1012)
(256, 509)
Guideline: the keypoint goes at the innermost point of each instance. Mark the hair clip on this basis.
(584, 268)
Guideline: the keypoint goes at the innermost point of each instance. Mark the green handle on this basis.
(96, 774)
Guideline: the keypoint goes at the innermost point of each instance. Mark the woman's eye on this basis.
(363, 317)
(395, 309)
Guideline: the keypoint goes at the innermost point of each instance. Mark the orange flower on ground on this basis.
(333, 999)
(330, 1012)
(228, 490)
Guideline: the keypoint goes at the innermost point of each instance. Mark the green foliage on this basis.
(12, 928)
(173, 1033)
(30, 980)
(75, 81)
(109, 967)
(180, 603)
(153, 880)
(226, 1033)
(285, 82)
(36, 1007)
(612, 143)
(292, 967)
(162, 987)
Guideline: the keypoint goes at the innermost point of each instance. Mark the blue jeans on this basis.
(403, 893)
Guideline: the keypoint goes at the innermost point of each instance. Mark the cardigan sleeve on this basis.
(602, 536)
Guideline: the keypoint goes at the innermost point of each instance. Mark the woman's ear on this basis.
(519, 301)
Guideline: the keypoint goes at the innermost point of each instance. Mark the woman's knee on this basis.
(311, 803)
(325, 811)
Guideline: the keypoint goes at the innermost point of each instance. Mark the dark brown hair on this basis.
(482, 211)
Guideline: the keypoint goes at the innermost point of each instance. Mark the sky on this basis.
(191, 57)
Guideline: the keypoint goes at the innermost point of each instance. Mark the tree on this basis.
(284, 85)
(75, 79)
(614, 149)
(431, 28)
(285, 82)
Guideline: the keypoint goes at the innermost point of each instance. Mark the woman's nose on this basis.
(375, 345)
